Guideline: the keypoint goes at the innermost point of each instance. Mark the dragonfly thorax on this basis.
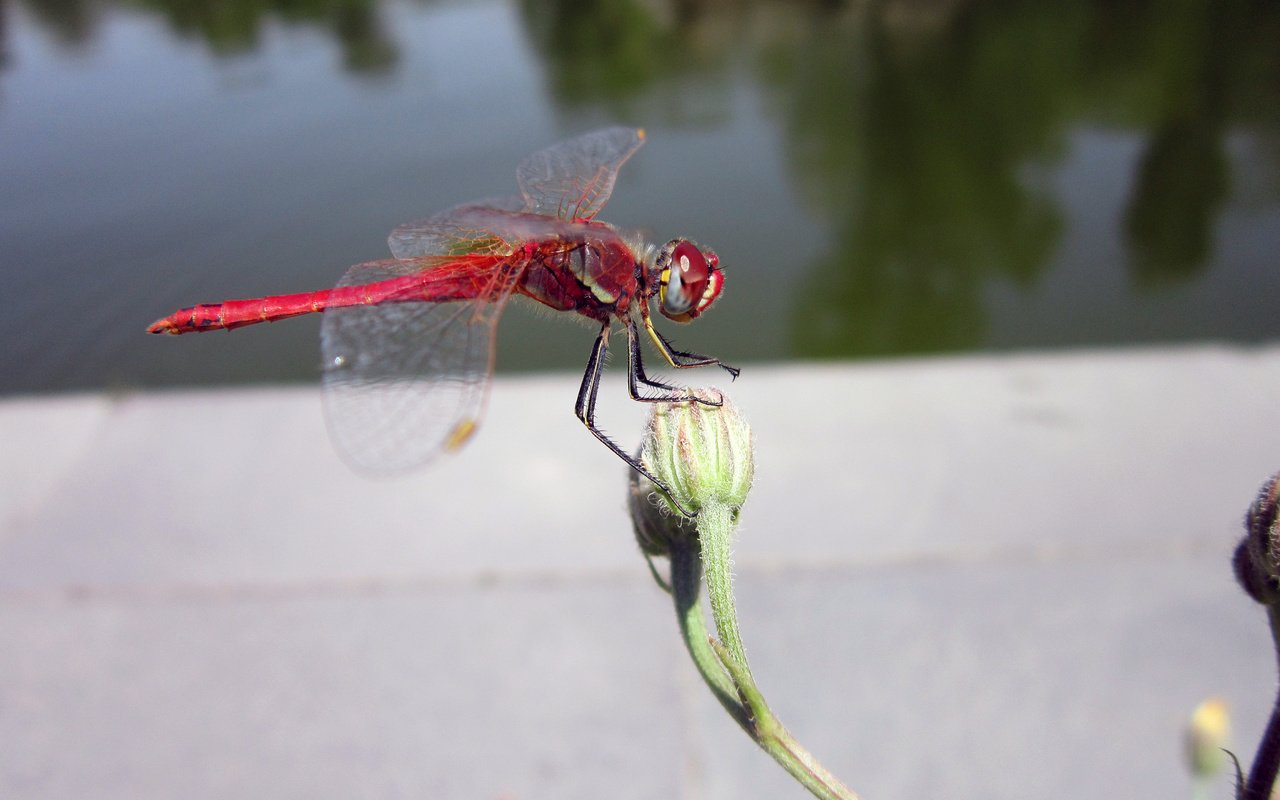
(689, 279)
(594, 274)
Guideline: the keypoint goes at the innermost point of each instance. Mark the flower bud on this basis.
(1207, 732)
(1257, 558)
(703, 453)
(655, 527)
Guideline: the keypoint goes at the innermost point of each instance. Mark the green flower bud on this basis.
(1257, 558)
(703, 453)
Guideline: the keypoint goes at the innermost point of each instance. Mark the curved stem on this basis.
(1262, 775)
(686, 582)
(768, 732)
(730, 676)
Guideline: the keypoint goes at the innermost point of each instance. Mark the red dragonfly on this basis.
(408, 342)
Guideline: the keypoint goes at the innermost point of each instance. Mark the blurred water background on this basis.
(880, 180)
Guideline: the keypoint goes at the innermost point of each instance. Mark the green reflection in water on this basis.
(598, 49)
(231, 27)
(1186, 62)
(922, 135)
(921, 139)
(71, 22)
(615, 53)
(915, 144)
(234, 26)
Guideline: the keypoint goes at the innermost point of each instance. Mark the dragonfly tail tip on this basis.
(162, 326)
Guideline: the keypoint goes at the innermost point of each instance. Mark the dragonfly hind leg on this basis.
(585, 410)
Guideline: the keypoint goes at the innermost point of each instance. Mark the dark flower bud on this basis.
(655, 526)
(1257, 557)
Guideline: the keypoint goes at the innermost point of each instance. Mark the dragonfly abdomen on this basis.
(238, 313)
(458, 281)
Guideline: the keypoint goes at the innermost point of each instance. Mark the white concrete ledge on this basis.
(967, 577)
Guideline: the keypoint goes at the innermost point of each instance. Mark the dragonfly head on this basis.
(689, 279)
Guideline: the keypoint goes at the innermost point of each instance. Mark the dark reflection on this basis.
(227, 26)
(598, 49)
(366, 47)
(1190, 54)
(920, 142)
(612, 51)
(1177, 193)
(920, 138)
(230, 27)
(71, 22)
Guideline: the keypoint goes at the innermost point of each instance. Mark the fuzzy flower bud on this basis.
(1257, 558)
(703, 453)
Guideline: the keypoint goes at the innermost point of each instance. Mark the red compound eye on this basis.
(689, 281)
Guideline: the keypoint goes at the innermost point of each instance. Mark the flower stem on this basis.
(722, 662)
(1262, 775)
(686, 581)
(777, 741)
(715, 532)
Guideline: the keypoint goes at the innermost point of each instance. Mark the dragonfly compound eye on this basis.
(688, 281)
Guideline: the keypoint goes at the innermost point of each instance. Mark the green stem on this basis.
(715, 532)
(686, 582)
(723, 663)
(777, 741)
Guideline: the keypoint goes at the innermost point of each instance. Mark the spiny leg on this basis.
(635, 373)
(585, 410)
(683, 358)
(676, 358)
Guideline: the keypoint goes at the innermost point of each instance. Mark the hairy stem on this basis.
(686, 582)
(723, 662)
(1262, 775)
(715, 532)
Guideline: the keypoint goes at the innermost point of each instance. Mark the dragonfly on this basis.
(408, 342)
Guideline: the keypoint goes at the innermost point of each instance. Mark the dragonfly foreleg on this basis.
(681, 359)
(585, 410)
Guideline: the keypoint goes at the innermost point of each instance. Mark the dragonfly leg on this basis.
(635, 374)
(585, 410)
(681, 359)
(687, 359)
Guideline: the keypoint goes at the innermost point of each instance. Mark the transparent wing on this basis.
(504, 231)
(452, 232)
(407, 381)
(572, 180)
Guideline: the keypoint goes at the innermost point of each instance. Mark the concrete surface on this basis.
(959, 578)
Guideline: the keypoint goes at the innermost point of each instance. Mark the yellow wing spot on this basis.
(460, 434)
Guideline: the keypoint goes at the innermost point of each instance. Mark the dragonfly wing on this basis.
(448, 233)
(407, 381)
(573, 179)
(485, 229)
